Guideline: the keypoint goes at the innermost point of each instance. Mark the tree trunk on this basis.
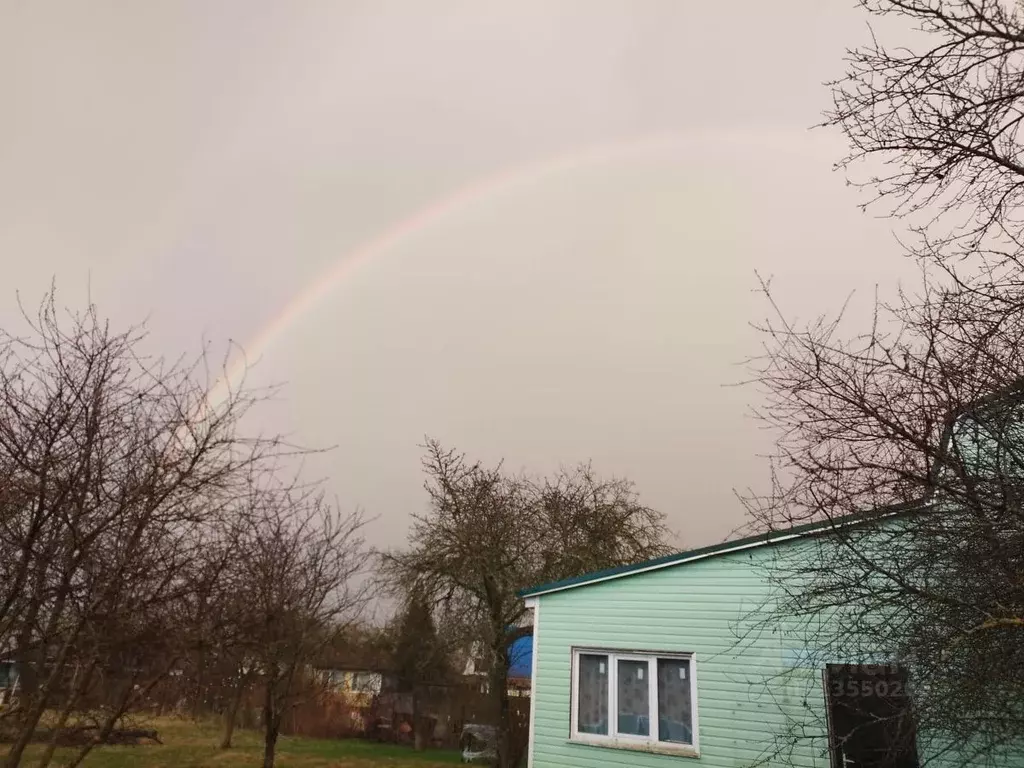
(131, 697)
(231, 716)
(101, 738)
(25, 663)
(271, 725)
(498, 679)
(197, 702)
(417, 721)
(269, 746)
(78, 686)
(37, 707)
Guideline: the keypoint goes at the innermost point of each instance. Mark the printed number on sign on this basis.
(852, 688)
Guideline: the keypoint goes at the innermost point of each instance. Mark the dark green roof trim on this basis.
(761, 539)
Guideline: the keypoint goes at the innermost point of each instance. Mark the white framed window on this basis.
(641, 700)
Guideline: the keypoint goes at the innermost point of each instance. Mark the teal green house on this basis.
(670, 663)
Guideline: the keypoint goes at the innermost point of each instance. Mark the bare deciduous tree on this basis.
(487, 535)
(937, 111)
(119, 479)
(913, 425)
(917, 428)
(298, 562)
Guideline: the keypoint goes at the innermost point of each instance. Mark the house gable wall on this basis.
(760, 692)
(753, 684)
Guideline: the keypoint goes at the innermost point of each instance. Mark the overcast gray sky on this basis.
(551, 214)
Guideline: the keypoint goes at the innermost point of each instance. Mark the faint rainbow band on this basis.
(502, 181)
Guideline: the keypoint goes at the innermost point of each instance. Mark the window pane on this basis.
(592, 715)
(675, 714)
(634, 698)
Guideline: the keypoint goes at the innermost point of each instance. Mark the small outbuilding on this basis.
(670, 661)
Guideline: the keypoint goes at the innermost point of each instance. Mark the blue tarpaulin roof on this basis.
(520, 657)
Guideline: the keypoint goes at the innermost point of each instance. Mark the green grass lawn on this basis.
(191, 745)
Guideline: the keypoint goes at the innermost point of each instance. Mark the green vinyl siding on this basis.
(753, 686)
(760, 693)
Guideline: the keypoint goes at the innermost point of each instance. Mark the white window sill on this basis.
(634, 745)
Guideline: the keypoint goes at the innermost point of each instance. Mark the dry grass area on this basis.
(191, 745)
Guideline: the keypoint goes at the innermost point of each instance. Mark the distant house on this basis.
(359, 683)
(355, 680)
(358, 666)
